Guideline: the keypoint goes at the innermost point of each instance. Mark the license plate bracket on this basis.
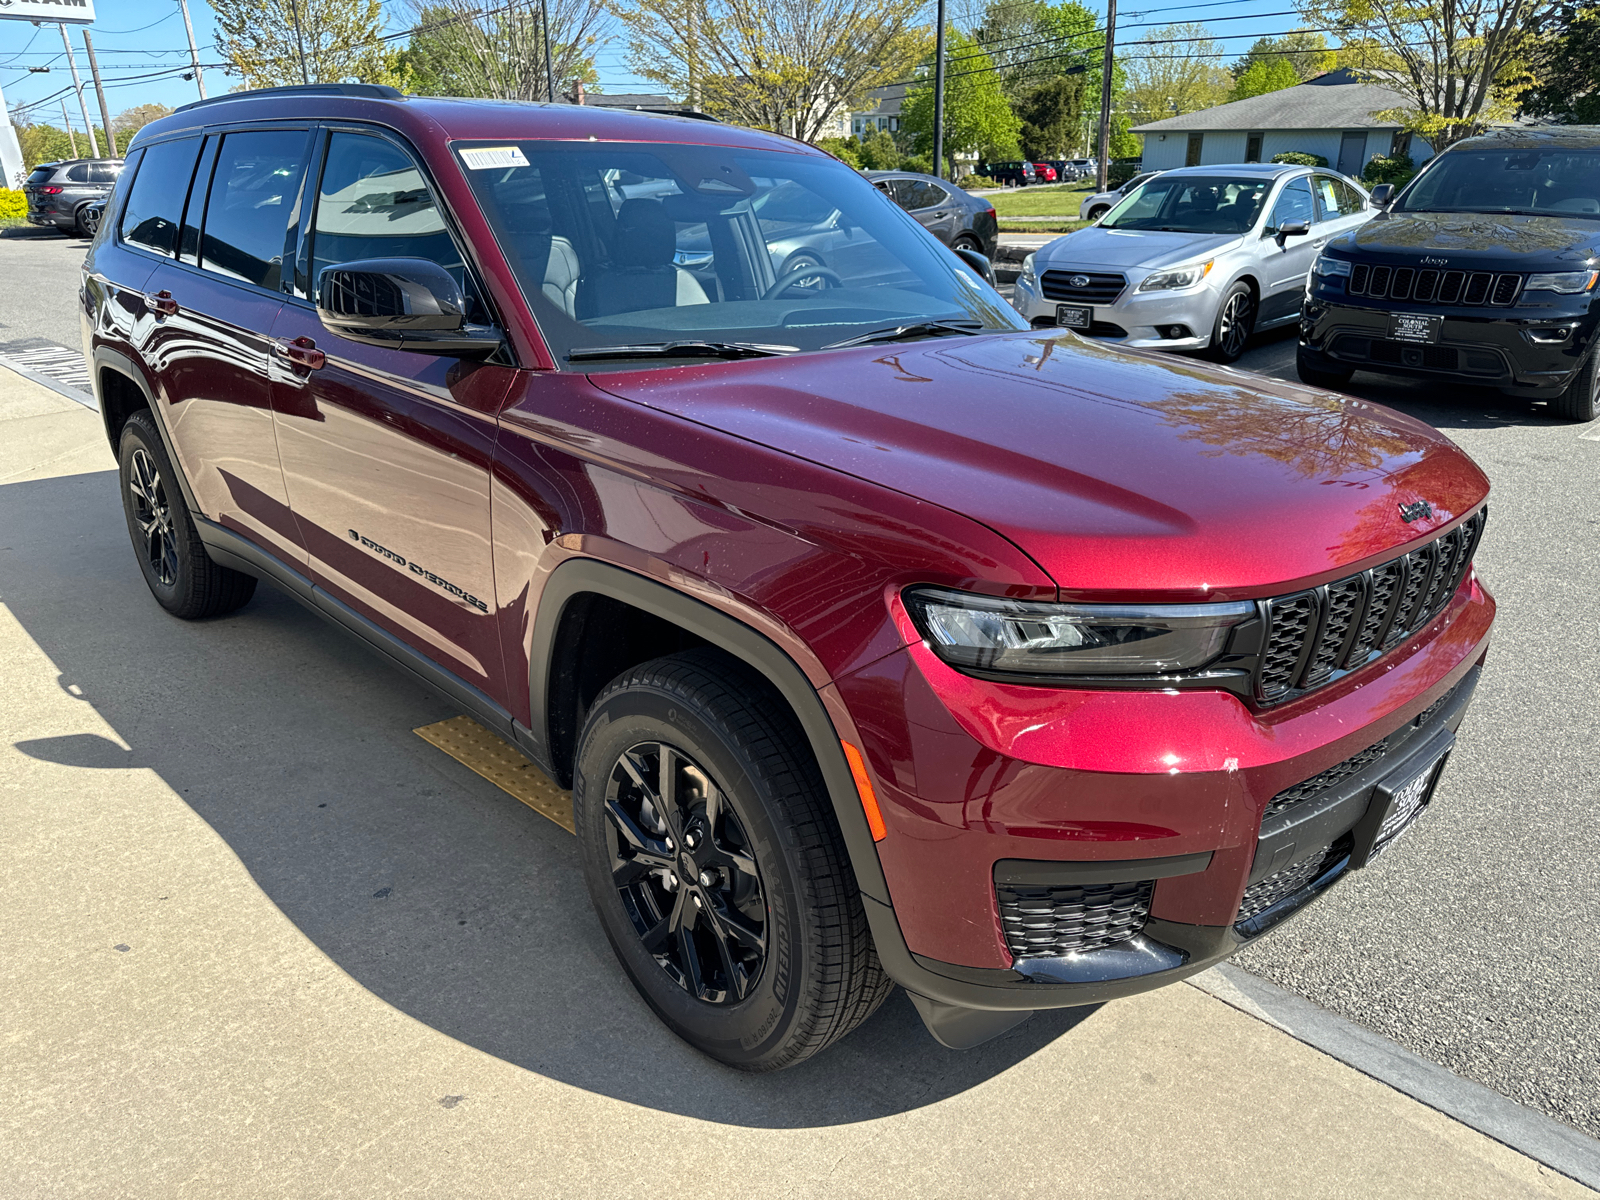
(1415, 327)
(1399, 799)
(1074, 316)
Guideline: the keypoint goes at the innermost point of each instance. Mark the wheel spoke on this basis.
(671, 803)
(738, 980)
(693, 977)
(645, 848)
(731, 924)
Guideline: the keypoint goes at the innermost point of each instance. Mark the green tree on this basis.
(1050, 114)
(879, 152)
(1569, 86)
(45, 143)
(341, 41)
(1307, 52)
(977, 117)
(465, 48)
(1176, 73)
(1460, 64)
(1263, 76)
(792, 66)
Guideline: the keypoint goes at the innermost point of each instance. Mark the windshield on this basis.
(622, 246)
(1554, 182)
(1191, 204)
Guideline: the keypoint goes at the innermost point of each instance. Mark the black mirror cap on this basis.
(1291, 229)
(403, 304)
(979, 264)
(1383, 195)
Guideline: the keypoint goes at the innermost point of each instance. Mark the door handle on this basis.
(302, 351)
(161, 302)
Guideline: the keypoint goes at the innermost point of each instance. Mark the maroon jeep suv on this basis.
(881, 639)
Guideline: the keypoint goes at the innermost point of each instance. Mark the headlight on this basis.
(988, 633)
(1331, 266)
(1566, 282)
(1181, 278)
(1029, 277)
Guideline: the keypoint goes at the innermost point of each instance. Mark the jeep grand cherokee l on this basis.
(1481, 271)
(881, 639)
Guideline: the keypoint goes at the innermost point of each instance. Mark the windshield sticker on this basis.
(484, 158)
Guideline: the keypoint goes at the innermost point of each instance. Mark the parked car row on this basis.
(829, 589)
(1482, 270)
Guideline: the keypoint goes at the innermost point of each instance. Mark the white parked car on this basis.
(1098, 205)
(1194, 259)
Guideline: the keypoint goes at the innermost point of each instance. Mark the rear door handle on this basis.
(302, 351)
(161, 302)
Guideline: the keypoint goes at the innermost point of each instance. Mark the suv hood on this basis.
(1124, 474)
(1484, 240)
(1119, 248)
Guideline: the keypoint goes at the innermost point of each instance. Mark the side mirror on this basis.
(1383, 195)
(979, 264)
(1291, 229)
(403, 304)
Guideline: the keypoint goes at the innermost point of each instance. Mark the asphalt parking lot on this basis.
(1472, 944)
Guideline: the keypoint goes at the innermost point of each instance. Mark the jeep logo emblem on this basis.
(1078, 281)
(1415, 511)
(1429, 261)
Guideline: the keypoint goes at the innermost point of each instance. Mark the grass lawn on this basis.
(1040, 226)
(1049, 200)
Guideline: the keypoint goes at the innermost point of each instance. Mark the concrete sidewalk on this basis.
(261, 940)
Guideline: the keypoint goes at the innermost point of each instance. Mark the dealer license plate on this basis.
(1072, 316)
(1414, 327)
(1408, 802)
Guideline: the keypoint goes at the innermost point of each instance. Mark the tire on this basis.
(787, 967)
(80, 227)
(1314, 376)
(966, 242)
(1234, 323)
(1577, 401)
(1098, 211)
(179, 572)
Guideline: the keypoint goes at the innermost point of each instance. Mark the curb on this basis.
(1541, 1138)
(45, 381)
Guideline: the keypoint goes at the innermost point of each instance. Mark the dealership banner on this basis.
(71, 12)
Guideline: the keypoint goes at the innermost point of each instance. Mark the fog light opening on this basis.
(1175, 333)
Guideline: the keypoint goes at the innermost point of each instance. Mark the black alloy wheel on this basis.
(1236, 320)
(172, 558)
(681, 864)
(715, 864)
(1577, 401)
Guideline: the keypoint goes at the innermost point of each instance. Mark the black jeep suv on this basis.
(60, 193)
(1482, 270)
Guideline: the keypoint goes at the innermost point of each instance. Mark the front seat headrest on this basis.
(646, 235)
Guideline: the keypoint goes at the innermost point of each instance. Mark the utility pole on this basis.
(72, 138)
(194, 55)
(549, 71)
(100, 93)
(938, 96)
(1104, 154)
(77, 83)
(299, 41)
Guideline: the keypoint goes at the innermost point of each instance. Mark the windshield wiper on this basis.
(681, 350)
(916, 329)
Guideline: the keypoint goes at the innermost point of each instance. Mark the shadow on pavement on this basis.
(440, 894)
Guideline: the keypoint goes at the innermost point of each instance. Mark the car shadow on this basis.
(440, 894)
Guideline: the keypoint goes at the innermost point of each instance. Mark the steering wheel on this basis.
(803, 271)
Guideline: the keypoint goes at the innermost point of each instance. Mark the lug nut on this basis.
(691, 839)
(670, 845)
(708, 878)
(670, 882)
(697, 901)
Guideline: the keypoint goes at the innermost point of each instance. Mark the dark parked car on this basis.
(1482, 271)
(59, 193)
(1065, 171)
(882, 639)
(958, 219)
(1016, 174)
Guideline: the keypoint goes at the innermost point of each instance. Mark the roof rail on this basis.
(362, 91)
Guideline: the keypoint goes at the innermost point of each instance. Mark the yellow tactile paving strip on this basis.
(502, 764)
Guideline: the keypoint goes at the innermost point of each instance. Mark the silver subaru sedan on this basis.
(1194, 259)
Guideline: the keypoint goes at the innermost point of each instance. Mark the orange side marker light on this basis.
(869, 798)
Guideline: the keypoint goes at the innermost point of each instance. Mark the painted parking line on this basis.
(57, 363)
(1592, 434)
(502, 764)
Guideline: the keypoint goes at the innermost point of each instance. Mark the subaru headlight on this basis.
(1029, 276)
(1015, 637)
(1330, 267)
(1181, 277)
(1568, 283)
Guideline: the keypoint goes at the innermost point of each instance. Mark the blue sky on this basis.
(144, 38)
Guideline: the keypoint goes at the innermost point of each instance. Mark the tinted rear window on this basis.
(247, 215)
(40, 174)
(103, 172)
(155, 203)
(76, 173)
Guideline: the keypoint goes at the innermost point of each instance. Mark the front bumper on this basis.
(1520, 349)
(978, 781)
(1138, 319)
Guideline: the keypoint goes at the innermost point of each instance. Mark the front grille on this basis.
(1264, 893)
(1429, 286)
(1047, 922)
(1313, 636)
(1100, 287)
(1331, 778)
(1354, 348)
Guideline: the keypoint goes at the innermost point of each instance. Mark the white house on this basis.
(1330, 115)
(884, 113)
